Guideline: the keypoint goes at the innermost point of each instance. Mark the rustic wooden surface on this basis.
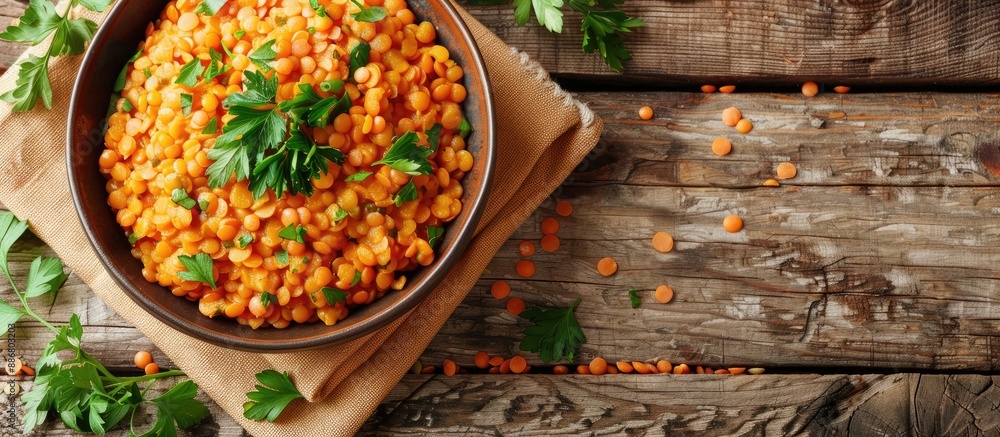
(865, 285)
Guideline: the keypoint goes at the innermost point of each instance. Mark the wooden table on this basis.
(865, 286)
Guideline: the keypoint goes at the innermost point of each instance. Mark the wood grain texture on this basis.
(9, 52)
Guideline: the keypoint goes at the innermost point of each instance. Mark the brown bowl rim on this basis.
(439, 270)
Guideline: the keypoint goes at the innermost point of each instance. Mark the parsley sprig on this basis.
(70, 36)
(271, 398)
(264, 142)
(555, 334)
(603, 24)
(73, 384)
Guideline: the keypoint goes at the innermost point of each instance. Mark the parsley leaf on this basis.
(32, 84)
(189, 73)
(320, 11)
(199, 268)
(433, 136)
(180, 197)
(332, 86)
(263, 56)
(359, 57)
(434, 234)
(333, 295)
(177, 405)
(357, 278)
(186, 101)
(259, 91)
(339, 215)
(407, 157)
(368, 14)
(406, 194)
(215, 66)
(127, 105)
(555, 334)
(293, 232)
(633, 295)
(133, 238)
(212, 126)
(358, 177)
(271, 398)
(266, 299)
(239, 35)
(602, 29)
(464, 129)
(96, 5)
(281, 257)
(243, 240)
(210, 7)
(38, 21)
(44, 276)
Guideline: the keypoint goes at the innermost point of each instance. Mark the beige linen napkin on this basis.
(539, 144)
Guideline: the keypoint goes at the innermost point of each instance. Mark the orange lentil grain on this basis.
(663, 242)
(841, 89)
(598, 366)
(500, 290)
(583, 369)
(721, 146)
(550, 243)
(664, 366)
(699, 370)
(624, 366)
(755, 370)
(640, 367)
(550, 226)
(515, 305)
(450, 368)
(564, 208)
(727, 89)
(151, 369)
(560, 370)
(744, 126)
(732, 223)
(525, 268)
(771, 183)
(505, 367)
(708, 89)
(786, 170)
(428, 369)
(607, 266)
(645, 112)
(496, 360)
(27, 370)
(142, 359)
(664, 293)
(737, 370)
(518, 364)
(681, 369)
(810, 89)
(494, 370)
(526, 248)
(722, 372)
(482, 360)
(731, 116)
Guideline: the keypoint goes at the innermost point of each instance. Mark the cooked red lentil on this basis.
(356, 239)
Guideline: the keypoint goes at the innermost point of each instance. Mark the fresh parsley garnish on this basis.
(320, 11)
(263, 56)
(212, 126)
(133, 238)
(406, 194)
(433, 136)
(358, 177)
(69, 37)
(180, 197)
(333, 295)
(123, 76)
(633, 295)
(603, 24)
(332, 86)
(339, 215)
(186, 101)
(368, 14)
(199, 268)
(464, 129)
(357, 278)
(189, 73)
(282, 257)
(210, 7)
(127, 105)
(271, 398)
(243, 240)
(216, 67)
(434, 234)
(296, 233)
(69, 382)
(407, 157)
(266, 299)
(359, 57)
(555, 333)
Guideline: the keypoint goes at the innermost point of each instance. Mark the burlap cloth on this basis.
(543, 134)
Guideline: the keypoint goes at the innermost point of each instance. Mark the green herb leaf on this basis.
(339, 215)
(406, 194)
(263, 56)
(216, 67)
(522, 12)
(407, 157)
(177, 406)
(239, 34)
(370, 14)
(433, 136)
(133, 238)
(320, 11)
(9, 315)
(243, 240)
(148, 73)
(332, 86)
(45, 275)
(359, 57)
(266, 299)
(186, 101)
(293, 232)
(199, 268)
(189, 73)
(10, 230)
(555, 333)
(464, 129)
(633, 295)
(357, 278)
(271, 398)
(434, 234)
(71, 36)
(260, 91)
(281, 257)
(212, 127)
(602, 31)
(127, 105)
(333, 295)
(96, 5)
(32, 84)
(180, 197)
(358, 177)
(38, 21)
(210, 7)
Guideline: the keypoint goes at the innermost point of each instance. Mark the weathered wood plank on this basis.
(862, 43)
(9, 52)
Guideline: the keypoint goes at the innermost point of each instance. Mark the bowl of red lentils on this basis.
(280, 175)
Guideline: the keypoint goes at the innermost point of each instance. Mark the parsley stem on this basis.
(24, 302)
(155, 376)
